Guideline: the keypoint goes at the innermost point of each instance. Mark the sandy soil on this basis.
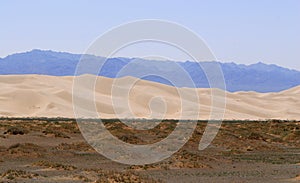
(53, 150)
(50, 96)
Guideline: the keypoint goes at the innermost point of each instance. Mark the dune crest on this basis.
(51, 96)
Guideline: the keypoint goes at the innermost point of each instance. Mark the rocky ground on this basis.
(53, 150)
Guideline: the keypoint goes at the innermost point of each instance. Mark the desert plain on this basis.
(40, 141)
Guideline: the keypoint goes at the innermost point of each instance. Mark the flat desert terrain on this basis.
(53, 150)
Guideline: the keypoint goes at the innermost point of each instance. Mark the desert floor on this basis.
(53, 150)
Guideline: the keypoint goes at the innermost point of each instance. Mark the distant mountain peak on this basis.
(258, 77)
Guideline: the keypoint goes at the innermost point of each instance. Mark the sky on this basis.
(244, 32)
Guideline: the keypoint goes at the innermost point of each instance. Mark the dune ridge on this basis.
(51, 96)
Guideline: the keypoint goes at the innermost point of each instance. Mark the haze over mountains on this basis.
(258, 77)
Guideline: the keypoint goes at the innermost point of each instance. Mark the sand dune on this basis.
(51, 96)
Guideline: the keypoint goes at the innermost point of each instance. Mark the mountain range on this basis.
(257, 77)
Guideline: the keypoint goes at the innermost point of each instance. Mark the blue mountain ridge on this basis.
(257, 77)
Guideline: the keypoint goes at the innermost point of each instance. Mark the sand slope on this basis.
(51, 96)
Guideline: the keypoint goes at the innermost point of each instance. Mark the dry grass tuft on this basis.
(14, 174)
(125, 177)
(15, 130)
(57, 166)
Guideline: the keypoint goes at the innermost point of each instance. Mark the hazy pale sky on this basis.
(236, 31)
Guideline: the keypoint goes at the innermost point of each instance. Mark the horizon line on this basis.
(183, 61)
